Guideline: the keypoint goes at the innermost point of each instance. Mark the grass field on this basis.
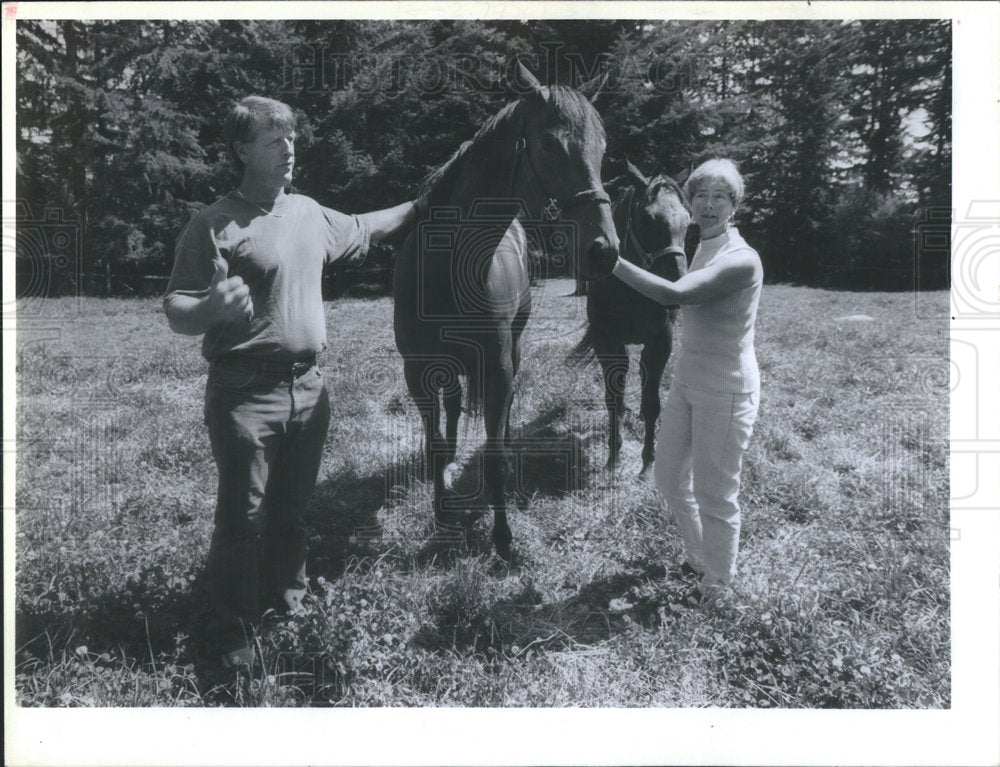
(842, 598)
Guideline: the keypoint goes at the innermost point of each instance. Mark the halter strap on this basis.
(649, 258)
(646, 258)
(555, 206)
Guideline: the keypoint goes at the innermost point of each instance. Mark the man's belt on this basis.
(294, 368)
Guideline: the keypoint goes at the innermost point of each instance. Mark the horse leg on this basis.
(653, 361)
(452, 410)
(429, 406)
(499, 392)
(515, 358)
(614, 364)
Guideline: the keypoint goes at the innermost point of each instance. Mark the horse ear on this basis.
(681, 177)
(524, 77)
(593, 87)
(635, 174)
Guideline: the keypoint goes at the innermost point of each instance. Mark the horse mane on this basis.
(570, 106)
(667, 181)
(674, 187)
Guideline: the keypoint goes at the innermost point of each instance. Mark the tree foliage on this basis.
(842, 129)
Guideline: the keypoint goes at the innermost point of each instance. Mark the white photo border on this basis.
(965, 734)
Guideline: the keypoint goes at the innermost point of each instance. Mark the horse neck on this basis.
(486, 174)
(480, 192)
(621, 214)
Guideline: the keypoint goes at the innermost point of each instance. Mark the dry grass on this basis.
(842, 599)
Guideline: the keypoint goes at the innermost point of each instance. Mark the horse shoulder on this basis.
(507, 279)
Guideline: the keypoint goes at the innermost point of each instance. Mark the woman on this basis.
(715, 393)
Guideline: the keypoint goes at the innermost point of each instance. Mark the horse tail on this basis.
(583, 354)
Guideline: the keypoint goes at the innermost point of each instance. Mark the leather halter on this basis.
(555, 206)
(646, 258)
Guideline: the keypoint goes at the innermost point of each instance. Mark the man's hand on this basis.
(389, 221)
(229, 297)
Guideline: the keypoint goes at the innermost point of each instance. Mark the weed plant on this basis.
(842, 599)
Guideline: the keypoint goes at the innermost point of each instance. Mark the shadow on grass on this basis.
(603, 608)
(546, 459)
(160, 616)
(150, 621)
(343, 521)
(345, 526)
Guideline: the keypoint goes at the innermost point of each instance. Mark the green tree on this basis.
(654, 112)
(56, 114)
(842, 129)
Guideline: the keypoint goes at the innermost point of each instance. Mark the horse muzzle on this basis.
(599, 259)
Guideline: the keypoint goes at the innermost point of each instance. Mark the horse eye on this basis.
(550, 143)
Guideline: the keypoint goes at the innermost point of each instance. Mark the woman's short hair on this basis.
(251, 113)
(721, 170)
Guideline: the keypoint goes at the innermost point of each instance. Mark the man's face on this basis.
(269, 157)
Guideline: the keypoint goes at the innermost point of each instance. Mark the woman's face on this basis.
(712, 208)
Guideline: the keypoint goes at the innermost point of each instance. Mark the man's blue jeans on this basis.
(267, 432)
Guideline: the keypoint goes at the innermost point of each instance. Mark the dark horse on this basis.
(461, 285)
(651, 218)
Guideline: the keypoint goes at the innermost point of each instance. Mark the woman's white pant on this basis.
(699, 456)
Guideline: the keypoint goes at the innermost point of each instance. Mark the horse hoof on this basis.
(501, 568)
(505, 554)
(501, 542)
(449, 525)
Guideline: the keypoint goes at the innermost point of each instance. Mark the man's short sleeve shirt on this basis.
(280, 256)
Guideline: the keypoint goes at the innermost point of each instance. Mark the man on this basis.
(247, 275)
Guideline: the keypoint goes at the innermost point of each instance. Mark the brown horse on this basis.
(651, 217)
(461, 285)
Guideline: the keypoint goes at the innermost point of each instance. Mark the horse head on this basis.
(562, 145)
(657, 216)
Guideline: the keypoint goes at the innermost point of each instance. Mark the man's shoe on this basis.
(292, 599)
(240, 659)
